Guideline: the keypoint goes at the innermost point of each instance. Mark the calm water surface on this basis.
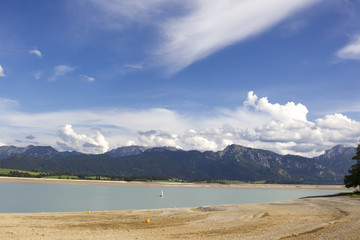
(33, 197)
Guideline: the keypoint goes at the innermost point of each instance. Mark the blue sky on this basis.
(201, 74)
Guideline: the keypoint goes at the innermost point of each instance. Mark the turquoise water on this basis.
(32, 197)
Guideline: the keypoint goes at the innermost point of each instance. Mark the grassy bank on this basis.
(34, 174)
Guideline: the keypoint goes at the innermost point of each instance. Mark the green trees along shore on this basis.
(353, 179)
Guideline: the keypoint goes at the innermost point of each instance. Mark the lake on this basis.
(35, 197)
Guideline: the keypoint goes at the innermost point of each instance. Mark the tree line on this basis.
(353, 179)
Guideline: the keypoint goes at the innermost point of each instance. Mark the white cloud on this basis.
(337, 122)
(114, 12)
(35, 52)
(61, 70)
(212, 25)
(155, 138)
(2, 74)
(288, 112)
(259, 123)
(134, 66)
(197, 28)
(89, 79)
(350, 51)
(81, 142)
(37, 75)
(6, 103)
(200, 143)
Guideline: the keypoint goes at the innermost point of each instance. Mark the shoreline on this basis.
(326, 217)
(166, 184)
(314, 218)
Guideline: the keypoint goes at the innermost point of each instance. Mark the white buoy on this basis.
(162, 193)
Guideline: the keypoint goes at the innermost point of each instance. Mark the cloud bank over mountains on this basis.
(72, 141)
(283, 128)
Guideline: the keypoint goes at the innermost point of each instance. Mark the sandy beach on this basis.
(308, 218)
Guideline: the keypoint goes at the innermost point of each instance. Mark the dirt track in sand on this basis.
(311, 218)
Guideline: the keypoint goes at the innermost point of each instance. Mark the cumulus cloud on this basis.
(81, 142)
(35, 52)
(2, 74)
(284, 128)
(350, 51)
(288, 112)
(291, 132)
(188, 140)
(195, 140)
(61, 70)
(156, 138)
(337, 122)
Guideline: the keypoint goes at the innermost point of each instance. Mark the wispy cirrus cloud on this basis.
(38, 75)
(115, 14)
(200, 27)
(350, 51)
(212, 25)
(134, 66)
(88, 78)
(35, 52)
(2, 74)
(6, 103)
(61, 70)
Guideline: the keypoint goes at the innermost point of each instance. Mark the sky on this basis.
(94, 75)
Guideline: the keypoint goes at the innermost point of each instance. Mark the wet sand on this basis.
(309, 218)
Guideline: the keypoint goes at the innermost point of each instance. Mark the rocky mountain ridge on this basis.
(235, 162)
(33, 151)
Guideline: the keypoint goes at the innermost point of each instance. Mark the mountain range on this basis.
(235, 162)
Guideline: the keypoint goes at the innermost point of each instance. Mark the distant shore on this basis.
(134, 183)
